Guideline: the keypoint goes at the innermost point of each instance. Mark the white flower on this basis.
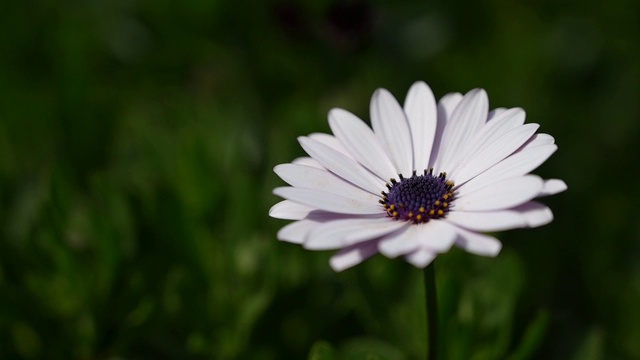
(427, 176)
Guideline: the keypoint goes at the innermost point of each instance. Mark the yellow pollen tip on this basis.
(446, 196)
(395, 214)
(392, 207)
(421, 209)
(419, 217)
(411, 214)
(445, 204)
(431, 212)
(440, 212)
(437, 203)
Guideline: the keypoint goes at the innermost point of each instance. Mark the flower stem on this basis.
(431, 299)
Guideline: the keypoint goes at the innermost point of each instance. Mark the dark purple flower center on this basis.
(419, 198)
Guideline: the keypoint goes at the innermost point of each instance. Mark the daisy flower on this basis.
(424, 177)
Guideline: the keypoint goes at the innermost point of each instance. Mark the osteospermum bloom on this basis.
(426, 176)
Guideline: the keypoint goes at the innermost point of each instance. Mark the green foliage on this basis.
(137, 141)
(356, 349)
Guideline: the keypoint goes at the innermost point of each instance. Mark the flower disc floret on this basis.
(419, 198)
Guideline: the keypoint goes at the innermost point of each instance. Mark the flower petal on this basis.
(307, 177)
(341, 165)
(297, 231)
(328, 201)
(518, 164)
(422, 114)
(361, 142)
(353, 255)
(478, 244)
(494, 152)
(421, 257)
(513, 117)
(538, 140)
(330, 141)
(499, 195)
(493, 114)
(446, 106)
(308, 162)
(436, 235)
(390, 125)
(289, 210)
(552, 187)
(400, 242)
(466, 120)
(535, 213)
(490, 132)
(346, 232)
(373, 230)
(487, 220)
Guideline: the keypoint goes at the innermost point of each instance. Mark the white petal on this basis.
(495, 113)
(539, 140)
(341, 165)
(487, 220)
(478, 244)
(498, 126)
(420, 258)
(354, 255)
(436, 235)
(400, 242)
(499, 195)
(518, 164)
(390, 125)
(307, 177)
(446, 106)
(374, 229)
(513, 116)
(308, 162)
(422, 114)
(494, 152)
(490, 133)
(297, 232)
(535, 213)
(466, 121)
(289, 210)
(328, 202)
(552, 187)
(341, 233)
(361, 142)
(330, 141)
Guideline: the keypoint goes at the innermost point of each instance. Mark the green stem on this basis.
(431, 298)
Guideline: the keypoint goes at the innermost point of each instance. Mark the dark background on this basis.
(137, 141)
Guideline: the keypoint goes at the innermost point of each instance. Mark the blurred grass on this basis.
(136, 146)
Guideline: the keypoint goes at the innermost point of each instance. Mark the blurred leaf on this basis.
(591, 347)
(26, 340)
(322, 350)
(370, 349)
(532, 337)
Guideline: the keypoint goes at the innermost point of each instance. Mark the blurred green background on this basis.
(137, 141)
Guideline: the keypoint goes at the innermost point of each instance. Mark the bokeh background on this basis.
(137, 141)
